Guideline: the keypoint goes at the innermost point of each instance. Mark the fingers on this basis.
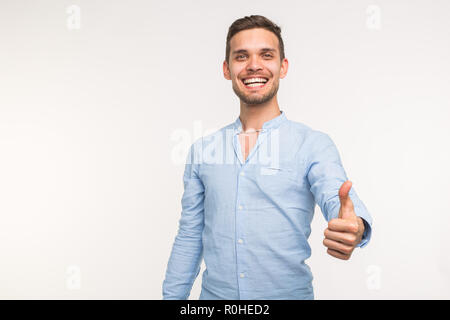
(341, 237)
(338, 246)
(337, 254)
(344, 237)
(342, 225)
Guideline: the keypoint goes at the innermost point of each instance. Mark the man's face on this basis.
(254, 53)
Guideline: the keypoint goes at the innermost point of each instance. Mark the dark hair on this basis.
(251, 22)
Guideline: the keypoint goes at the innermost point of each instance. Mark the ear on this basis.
(284, 68)
(226, 70)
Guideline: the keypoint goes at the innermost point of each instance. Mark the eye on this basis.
(267, 55)
(240, 56)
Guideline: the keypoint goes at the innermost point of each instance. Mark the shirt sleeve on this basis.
(187, 251)
(326, 175)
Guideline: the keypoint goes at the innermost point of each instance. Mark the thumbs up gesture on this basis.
(344, 232)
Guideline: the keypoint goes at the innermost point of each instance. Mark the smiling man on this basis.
(247, 210)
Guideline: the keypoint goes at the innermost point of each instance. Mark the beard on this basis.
(255, 98)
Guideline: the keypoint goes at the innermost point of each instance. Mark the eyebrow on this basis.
(262, 50)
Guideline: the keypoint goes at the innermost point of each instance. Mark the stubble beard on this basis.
(255, 99)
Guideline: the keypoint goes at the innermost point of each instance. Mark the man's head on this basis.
(255, 49)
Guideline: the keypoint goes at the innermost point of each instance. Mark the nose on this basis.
(254, 64)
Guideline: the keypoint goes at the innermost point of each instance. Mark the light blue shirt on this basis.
(250, 220)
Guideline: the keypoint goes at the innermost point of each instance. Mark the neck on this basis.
(253, 116)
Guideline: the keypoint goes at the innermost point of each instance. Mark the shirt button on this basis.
(242, 174)
(240, 207)
(240, 241)
(242, 275)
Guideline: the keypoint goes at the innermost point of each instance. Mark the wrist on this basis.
(361, 226)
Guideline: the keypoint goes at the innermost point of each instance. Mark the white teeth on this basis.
(255, 85)
(255, 80)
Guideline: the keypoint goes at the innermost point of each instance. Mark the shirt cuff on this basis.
(366, 235)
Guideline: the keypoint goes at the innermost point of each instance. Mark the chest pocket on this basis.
(278, 180)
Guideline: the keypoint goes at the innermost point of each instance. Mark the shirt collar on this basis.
(271, 124)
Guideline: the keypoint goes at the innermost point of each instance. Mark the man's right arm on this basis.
(187, 251)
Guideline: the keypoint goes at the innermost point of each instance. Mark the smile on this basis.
(255, 83)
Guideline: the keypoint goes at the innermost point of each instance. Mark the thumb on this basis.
(347, 210)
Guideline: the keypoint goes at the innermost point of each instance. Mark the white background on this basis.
(94, 120)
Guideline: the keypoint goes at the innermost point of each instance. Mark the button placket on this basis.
(240, 230)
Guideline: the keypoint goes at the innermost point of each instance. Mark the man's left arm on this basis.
(349, 222)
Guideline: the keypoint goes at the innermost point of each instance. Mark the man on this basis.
(248, 214)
